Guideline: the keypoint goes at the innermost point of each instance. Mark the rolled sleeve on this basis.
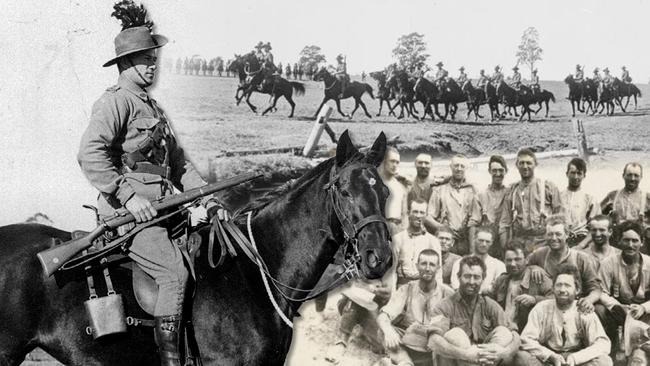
(396, 304)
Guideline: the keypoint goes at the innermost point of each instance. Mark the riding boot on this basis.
(167, 335)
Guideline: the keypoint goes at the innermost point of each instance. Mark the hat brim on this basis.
(160, 41)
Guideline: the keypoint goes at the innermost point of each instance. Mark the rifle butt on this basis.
(52, 259)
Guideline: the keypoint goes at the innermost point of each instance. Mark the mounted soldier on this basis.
(441, 75)
(596, 77)
(608, 79)
(462, 77)
(515, 81)
(258, 51)
(625, 75)
(267, 58)
(130, 154)
(497, 77)
(342, 73)
(482, 79)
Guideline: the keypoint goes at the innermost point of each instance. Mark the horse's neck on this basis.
(292, 238)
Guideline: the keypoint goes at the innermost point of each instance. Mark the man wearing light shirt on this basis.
(580, 207)
(625, 279)
(560, 335)
(410, 242)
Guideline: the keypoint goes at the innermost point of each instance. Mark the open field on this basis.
(208, 121)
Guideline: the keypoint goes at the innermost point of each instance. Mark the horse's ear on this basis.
(345, 149)
(376, 153)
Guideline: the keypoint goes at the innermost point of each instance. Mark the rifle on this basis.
(52, 259)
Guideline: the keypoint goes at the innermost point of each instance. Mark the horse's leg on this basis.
(272, 104)
(381, 103)
(573, 108)
(338, 107)
(635, 101)
(365, 110)
(391, 109)
(248, 97)
(539, 108)
(356, 106)
(325, 99)
(291, 102)
(627, 102)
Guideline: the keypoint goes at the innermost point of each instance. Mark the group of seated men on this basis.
(520, 275)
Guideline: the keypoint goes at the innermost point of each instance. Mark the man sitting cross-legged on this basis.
(469, 328)
(559, 334)
(404, 320)
(515, 291)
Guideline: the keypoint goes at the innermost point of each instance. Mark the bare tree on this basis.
(529, 50)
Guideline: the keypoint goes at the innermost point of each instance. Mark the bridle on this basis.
(353, 258)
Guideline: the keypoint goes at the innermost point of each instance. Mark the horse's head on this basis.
(358, 197)
(320, 74)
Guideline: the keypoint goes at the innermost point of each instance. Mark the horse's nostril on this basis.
(372, 260)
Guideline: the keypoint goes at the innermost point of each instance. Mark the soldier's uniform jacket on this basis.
(482, 81)
(608, 79)
(462, 78)
(516, 78)
(626, 76)
(126, 124)
(579, 75)
(597, 77)
(534, 80)
(441, 74)
(497, 77)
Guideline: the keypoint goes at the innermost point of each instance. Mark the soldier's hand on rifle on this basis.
(140, 208)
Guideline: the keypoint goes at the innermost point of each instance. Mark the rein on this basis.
(350, 229)
(331, 86)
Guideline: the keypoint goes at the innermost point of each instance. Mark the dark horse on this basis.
(426, 92)
(475, 98)
(450, 94)
(298, 230)
(354, 89)
(383, 91)
(237, 66)
(544, 96)
(280, 87)
(253, 75)
(513, 98)
(403, 87)
(626, 90)
(609, 96)
(580, 93)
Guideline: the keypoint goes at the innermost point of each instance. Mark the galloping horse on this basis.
(354, 89)
(426, 92)
(475, 98)
(626, 90)
(298, 230)
(575, 94)
(280, 87)
(383, 91)
(237, 66)
(404, 89)
(609, 97)
(514, 98)
(544, 96)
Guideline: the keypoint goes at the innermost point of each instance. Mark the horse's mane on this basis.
(294, 188)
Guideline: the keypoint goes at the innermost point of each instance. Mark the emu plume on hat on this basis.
(136, 33)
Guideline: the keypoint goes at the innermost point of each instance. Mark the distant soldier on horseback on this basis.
(441, 75)
(496, 78)
(534, 82)
(259, 54)
(515, 80)
(342, 73)
(462, 77)
(596, 77)
(578, 77)
(267, 58)
(608, 79)
(625, 75)
(482, 79)
(287, 71)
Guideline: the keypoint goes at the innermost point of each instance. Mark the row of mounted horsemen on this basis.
(406, 88)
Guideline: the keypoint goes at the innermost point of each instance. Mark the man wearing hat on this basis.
(496, 78)
(462, 77)
(625, 76)
(342, 73)
(441, 75)
(578, 77)
(268, 57)
(130, 154)
(515, 80)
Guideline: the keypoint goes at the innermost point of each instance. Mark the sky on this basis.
(470, 33)
(53, 51)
